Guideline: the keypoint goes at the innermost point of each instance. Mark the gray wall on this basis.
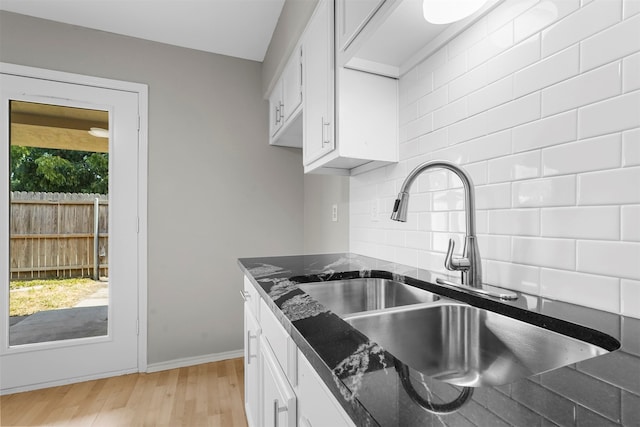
(217, 190)
(321, 235)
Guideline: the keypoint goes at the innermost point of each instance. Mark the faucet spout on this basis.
(470, 265)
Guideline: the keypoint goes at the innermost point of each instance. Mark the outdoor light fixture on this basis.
(99, 132)
(448, 11)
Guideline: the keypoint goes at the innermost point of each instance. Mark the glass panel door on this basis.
(58, 222)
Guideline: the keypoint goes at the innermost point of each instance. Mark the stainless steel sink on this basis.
(357, 295)
(469, 346)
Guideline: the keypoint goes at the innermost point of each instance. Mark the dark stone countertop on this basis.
(602, 391)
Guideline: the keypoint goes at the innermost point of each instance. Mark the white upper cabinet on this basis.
(352, 16)
(350, 117)
(318, 66)
(285, 104)
(394, 36)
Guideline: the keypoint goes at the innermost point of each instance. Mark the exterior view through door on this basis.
(69, 248)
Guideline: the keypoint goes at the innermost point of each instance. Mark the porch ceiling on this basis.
(54, 126)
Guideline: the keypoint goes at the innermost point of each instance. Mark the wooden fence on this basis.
(52, 235)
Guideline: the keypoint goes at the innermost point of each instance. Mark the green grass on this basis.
(32, 296)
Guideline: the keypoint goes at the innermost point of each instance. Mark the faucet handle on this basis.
(455, 264)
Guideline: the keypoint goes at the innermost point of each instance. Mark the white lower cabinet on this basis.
(281, 387)
(316, 405)
(278, 398)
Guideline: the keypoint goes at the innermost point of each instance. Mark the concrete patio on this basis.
(88, 318)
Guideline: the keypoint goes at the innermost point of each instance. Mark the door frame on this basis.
(142, 90)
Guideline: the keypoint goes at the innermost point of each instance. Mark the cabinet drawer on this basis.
(281, 344)
(316, 405)
(251, 297)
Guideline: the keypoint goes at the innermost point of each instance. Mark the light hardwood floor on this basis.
(211, 394)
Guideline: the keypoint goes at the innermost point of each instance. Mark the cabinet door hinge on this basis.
(137, 326)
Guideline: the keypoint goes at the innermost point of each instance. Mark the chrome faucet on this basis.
(470, 264)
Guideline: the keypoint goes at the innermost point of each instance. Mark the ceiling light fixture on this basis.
(99, 132)
(448, 11)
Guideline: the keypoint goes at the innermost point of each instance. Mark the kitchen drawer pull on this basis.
(276, 411)
(249, 355)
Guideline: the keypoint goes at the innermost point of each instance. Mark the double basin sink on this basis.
(447, 339)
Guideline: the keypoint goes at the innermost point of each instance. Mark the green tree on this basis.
(65, 171)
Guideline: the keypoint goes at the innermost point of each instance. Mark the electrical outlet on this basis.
(334, 213)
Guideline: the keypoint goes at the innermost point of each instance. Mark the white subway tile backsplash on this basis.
(630, 8)
(551, 70)
(542, 15)
(587, 88)
(613, 115)
(470, 128)
(519, 56)
(630, 298)
(615, 259)
(497, 248)
(448, 200)
(631, 72)
(631, 223)
(514, 168)
(514, 113)
(419, 127)
(601, 222)
(583, 156)
(617, 186)
(518, 277)
(433, 181)
(433, 221)
(433, 141)
(613, 43)
(491, 96)
(560, 191)
(440, 242)
(598, 292)
(507, 12)
(496, 196)
(548, 131)
(468, 82)
(451, 113)
(497, 42)
(418, 240)
(473, 35)
(581, 24)
(436, 99)
(553, 253)
(487, 147)
(457, 222)
(450, 70)
(540, 102)
(515, 222)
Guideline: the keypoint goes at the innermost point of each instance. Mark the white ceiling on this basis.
(240, 28)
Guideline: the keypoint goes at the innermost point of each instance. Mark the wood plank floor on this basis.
(211, 394)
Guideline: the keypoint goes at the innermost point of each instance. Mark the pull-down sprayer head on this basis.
(400, 207)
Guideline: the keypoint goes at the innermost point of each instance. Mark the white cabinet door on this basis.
(278, 398)
(352, 16)
(292, 84)
(251, 368)
(275, 109)
(318, 84)
(316, 405)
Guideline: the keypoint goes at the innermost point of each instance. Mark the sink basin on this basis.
(469, 346)
(358, 295)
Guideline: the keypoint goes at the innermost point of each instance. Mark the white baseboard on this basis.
(65, 381)
(153, 367)
(190, 361)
